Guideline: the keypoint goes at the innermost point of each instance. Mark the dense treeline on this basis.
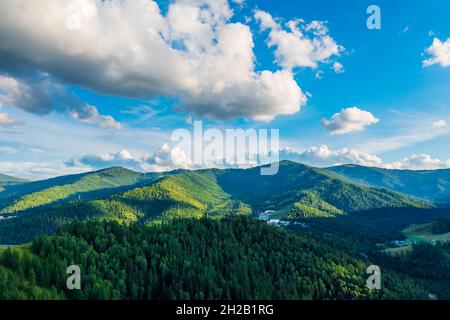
(233, 258)
(441, 226)
(428, 264)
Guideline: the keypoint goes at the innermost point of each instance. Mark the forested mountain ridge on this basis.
(309, 191)
(431, 185)
(188, 235)
(301, 191)
(30, 195)
(182, 195)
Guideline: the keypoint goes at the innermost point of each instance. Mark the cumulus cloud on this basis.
(349, 120)
(419, 162)
(31, 97)
(129, 48)
(300, 44)
(122, 158)
(439, 53)
(440, 124)
(167, 158)
(90, 114)
(41, 95)
(323, 157)
(164, 158)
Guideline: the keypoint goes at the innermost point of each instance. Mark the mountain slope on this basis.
(309, 191)
(184, 195)
(30, 195)
(432, 185)
(297, 190)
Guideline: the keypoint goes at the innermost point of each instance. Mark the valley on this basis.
(86, 214)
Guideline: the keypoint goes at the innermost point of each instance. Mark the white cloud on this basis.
(30, 97)
(440, 124)
(439, 53)
(164, 158)
(122, 158)
(419, 162)
(300, 44)
(324, 157)
(349, 120)
(338, 67)
(37, 170)
(129, 48)
(167, 158)
(43, 95)
(90, 114)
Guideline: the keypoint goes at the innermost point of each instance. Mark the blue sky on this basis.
(87, 89)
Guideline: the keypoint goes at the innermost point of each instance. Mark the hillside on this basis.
(297, 191)
(18, 198)
(234, 258)
(431, 185)
(307, 191)
(184, 195)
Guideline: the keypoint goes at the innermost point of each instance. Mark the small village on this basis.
(265, 216)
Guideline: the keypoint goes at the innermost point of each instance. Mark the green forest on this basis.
(196, 235)
(232, 258)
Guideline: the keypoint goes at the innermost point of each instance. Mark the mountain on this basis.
(191, 235)
(431, 185)
(297, 191)
(20, 197)
(179, 195)
(306, 191)
(6, 181)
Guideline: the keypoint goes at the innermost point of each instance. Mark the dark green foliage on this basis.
(428, 264)
(380, 225)
(441, 226)
(234, 258)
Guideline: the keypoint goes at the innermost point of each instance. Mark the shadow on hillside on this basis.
(379, 225)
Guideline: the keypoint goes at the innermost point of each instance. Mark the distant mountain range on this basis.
(296, 192)
(431, 185)
(6, 181)
(151, 227)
